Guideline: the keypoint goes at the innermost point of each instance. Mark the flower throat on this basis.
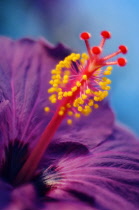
(78, 83)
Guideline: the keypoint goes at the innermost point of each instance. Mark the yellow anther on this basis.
(80, 108)
(53, 100)
(88, 91)
(91, 102)
(104, 78)
(74, 59)
(62, 108)
(67, 72)
(87, 107)
(53, 71)
(58, 67)
(77, 115)
(84, 77)
(58, 76)
(69, 122)
(60, 97)
(53, 77)
(51, 82)
(65, 77)
(59, 90)
(75, 104)
(60, 93)
(84, 96)
(65, 94)
(65, 81)
(51, 90)
(61, 112)
(52, 96)
(105, 93)
(78, 84)
(107, 88)
(56, 81)
(70, 113)
(74, 89)
(101, 83)
(55, 85)
(82, 60)
(107, 72)
(69, 93)
(68, 105)
(109, 68)
(80, 101)
(85, 56)
(108, 81)
(96, 106)
(47, 109)
(96, 98)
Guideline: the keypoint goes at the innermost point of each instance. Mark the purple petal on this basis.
(90, 130)
(25, 71)
(105, 178)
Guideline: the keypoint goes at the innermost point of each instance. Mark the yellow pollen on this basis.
(78, 84)
(109, 68)
(53, 71)
(60, 97)
(69, 122)
(62, 108)
(70, 113)
(77, 115)
(65, 94)
(80, 108)
(84, 77)
(68, 105)
(61, 113)
(69, 93)
(96, 106)
(53, 100)
(47, 109)
(88, 91)
(74, 89)
(65, 77)
(84, 96)
(91, 102)
(107, 72)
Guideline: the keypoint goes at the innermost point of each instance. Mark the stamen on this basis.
(75, 97)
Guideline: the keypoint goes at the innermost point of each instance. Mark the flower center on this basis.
(77, 90)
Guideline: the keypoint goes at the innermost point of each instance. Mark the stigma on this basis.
(79, 82)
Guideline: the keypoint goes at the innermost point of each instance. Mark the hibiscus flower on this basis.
(93, 164)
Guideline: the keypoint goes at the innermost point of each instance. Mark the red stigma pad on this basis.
(85, 35)
(106, 34)
(121, 61)
(123, 49)
(96, 50)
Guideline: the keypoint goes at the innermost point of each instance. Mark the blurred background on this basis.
(64, 20)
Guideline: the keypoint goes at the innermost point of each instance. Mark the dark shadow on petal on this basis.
(58, 52)
(16, 154)
(82, 196)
